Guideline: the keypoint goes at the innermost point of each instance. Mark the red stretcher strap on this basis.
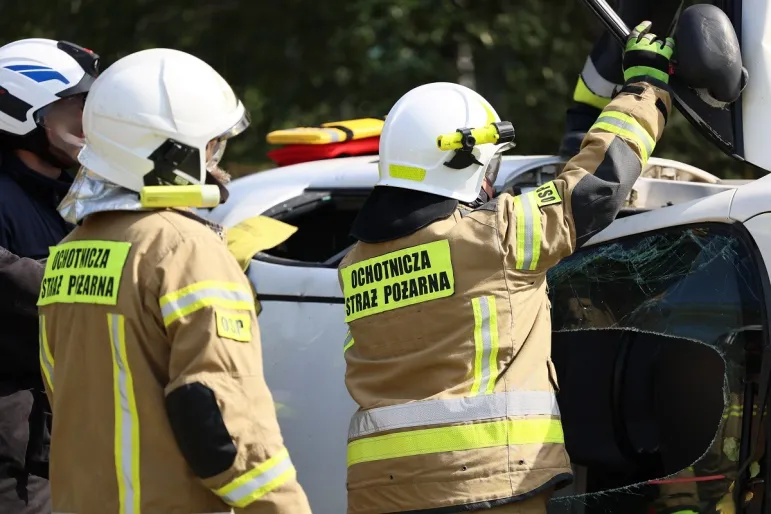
(295, 154)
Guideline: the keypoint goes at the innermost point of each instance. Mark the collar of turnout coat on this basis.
(90, 194)
(390, 213)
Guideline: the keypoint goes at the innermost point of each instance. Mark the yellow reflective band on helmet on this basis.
(528, 220)
(406, 172)
(46, 359)
(582, 94)
(84, 272)
(398, 279)
(126, 419)
(509, 432)
(254, 484)
(208, 293)
(485, 344)
(161, 197)
(348, 341)
(628, 128)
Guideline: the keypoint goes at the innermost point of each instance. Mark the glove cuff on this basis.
(654, 81)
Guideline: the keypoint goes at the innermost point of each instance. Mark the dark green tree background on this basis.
(297, 62)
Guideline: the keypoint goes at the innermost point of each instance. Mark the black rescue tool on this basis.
(708, 76)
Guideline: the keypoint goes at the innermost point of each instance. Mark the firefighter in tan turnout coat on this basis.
(148, 335)
(448, 353)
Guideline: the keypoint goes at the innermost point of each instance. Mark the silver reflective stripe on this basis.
(635, 129)
(453, 410)
(527, 207)
(596, 82)
(258, 482)
(45, 350)
(212, 292)
(487, 344)
(126, 428)
(348, 341)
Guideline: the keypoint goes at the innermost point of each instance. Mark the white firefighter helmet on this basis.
(159, 117)
(35, 73)
(410, 156)
(42, 87)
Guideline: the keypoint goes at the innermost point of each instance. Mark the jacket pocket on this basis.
(552, 375)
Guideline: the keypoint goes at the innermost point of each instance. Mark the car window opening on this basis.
(654, 336)
(323, 228)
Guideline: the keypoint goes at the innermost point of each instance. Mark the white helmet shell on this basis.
(409, 156)
(33, 74)
(153, 98)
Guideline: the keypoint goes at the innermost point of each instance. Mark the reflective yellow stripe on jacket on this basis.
(627, 127)
(126, 419)
(486, 345)
(46, 358)
(484, 419)
(230, 295)
(482, 434)
(348, 341)
(258, 482)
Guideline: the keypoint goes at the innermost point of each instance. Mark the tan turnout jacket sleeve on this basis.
(219, 406)
(587, 195)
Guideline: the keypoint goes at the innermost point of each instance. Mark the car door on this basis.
(656, 337)
(303, 332)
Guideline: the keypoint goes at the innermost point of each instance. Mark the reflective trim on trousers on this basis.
(598, 84)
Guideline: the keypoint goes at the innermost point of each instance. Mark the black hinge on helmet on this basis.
(87, 59)
(173, 155)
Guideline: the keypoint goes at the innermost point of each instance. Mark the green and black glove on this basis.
(646, 58)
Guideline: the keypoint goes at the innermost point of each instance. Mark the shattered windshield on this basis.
(652, 337)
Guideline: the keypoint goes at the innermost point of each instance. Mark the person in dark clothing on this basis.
(43, 84)
(29, 221)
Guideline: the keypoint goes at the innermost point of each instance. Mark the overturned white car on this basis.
(658, 321)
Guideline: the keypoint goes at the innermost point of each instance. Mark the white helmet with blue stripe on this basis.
(42, 88)
(35, 73)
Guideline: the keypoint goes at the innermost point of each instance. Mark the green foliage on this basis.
(300, 62)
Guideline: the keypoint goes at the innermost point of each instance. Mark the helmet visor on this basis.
(63, 123)
(239, 127)
(491, 173)
(215, 149)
